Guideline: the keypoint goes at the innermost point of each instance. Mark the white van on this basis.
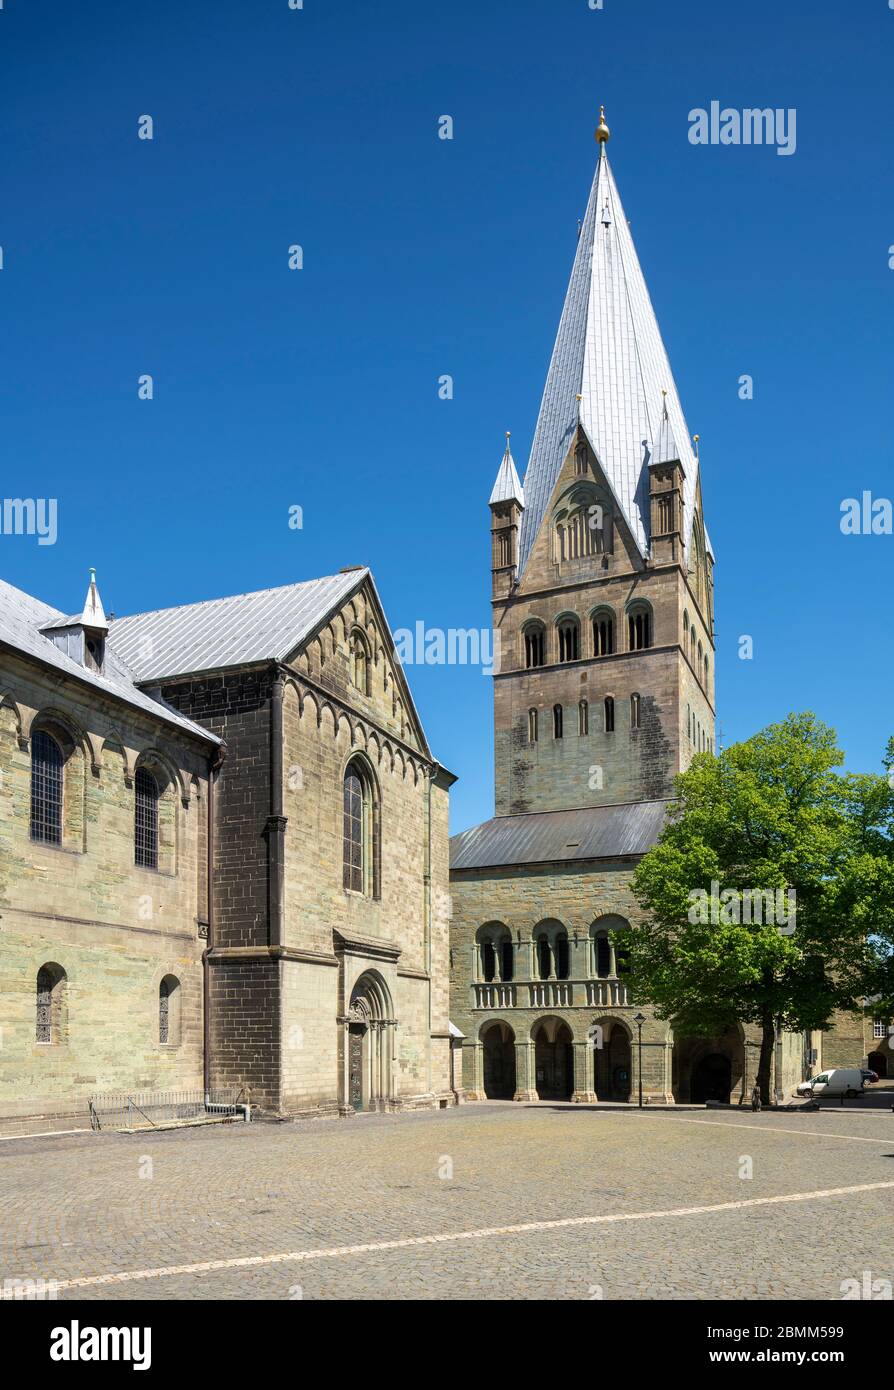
(837, 1081)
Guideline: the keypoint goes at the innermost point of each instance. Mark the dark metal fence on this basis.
(128, 1110)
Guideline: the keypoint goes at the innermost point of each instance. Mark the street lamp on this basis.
(639, 1020)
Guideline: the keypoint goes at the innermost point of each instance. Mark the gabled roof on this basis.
(240, 630)
(609, 351)
(507, 487)
(246, 629)
(21, 619)
(540, 837)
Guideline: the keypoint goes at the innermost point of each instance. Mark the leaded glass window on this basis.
(145, 819)
(46, 789)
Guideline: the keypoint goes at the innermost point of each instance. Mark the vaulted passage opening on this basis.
(611, 1062)
(553, 1060)
(498, 1046)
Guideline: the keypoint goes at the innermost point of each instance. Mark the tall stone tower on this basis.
(602, 570)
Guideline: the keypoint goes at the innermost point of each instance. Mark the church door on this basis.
(355, 1065)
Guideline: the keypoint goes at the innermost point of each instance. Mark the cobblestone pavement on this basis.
(86, 1206)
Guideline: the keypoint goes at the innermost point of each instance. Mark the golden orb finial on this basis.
(602, 131)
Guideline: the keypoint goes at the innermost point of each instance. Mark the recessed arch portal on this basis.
(370, 1045)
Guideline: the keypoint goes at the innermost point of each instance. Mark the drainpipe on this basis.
(426, 880)
(214, 765)
(276, 821)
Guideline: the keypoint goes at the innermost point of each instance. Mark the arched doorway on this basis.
(498, 1049)
(370, 1044)
(878, 1063)
(712, 1079)
(710, 1068)
(612, 1063)
(553, 1059)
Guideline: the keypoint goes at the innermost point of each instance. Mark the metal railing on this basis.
(129, 1110)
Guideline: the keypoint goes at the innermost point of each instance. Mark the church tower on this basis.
(602, 569)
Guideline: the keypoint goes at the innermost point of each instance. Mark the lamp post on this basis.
(639, 1020)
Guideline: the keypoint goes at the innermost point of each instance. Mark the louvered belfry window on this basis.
(353, 832)
(145, 820)
(46, 789)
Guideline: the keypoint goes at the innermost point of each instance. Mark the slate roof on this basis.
(507, 487)
(263, 626)
(596, 832)
(610, 351)
(21, 618)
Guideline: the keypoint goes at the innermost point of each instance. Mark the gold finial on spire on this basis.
(695, 442)
(602, 130)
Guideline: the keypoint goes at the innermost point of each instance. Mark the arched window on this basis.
(706, 670)
(634, 711)
(569, 639)
(563, 957)
(609, 705)
(145, 819)
(361, 838)
(532, 726)
(639, 623)
(603, 955)
(496, 953)
(583, 718)
(544, 957)
(557, 721)
(46, 788)
(685, 633)
(50, 1019)
(603, 634)
(698, 668)
(169, 1011)
(534, 646)
(360, 662)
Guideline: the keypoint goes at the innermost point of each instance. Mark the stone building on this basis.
(223, 856)
(603, 600)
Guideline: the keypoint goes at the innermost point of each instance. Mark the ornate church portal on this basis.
(369, 1046)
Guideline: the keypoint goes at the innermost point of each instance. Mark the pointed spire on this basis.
(666, 450)
(94, 613)
(507, 487)
(608, 351)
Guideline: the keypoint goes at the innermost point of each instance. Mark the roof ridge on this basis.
(249, 593)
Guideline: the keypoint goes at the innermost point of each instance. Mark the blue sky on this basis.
(422, 257)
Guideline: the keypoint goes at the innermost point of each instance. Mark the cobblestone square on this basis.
(487, 1201)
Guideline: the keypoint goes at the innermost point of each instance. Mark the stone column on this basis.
(524, 1071)
(473, 1058)
(583, 1074)
(579, 946)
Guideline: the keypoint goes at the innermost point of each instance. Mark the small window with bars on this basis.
(164, 1011)
(145, 819)
(46, 788)
(50, 1004)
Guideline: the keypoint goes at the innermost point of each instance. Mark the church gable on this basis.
(583, 535)
(352, 654)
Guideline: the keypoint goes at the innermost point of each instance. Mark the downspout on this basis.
(426, 880)
(276, 831)
(214, 765)
(276, 823)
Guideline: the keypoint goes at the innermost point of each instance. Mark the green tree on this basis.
(765, 827)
